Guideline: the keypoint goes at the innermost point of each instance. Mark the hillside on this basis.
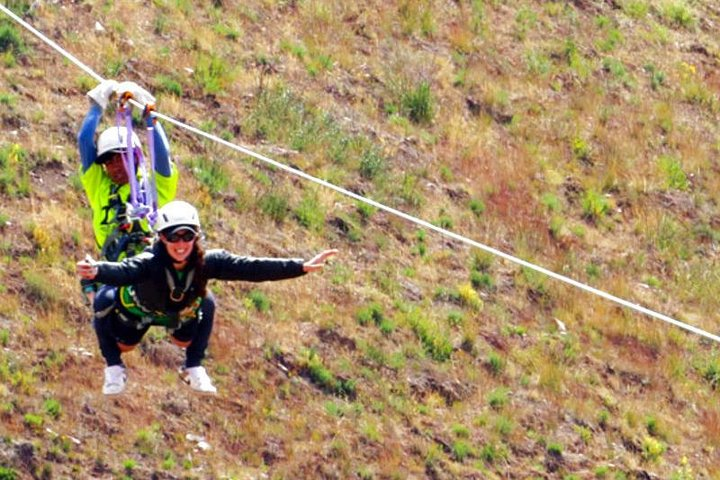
(581, 136)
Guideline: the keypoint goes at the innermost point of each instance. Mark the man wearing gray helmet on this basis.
(105, 179)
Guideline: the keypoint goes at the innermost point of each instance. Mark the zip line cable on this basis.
(380, 206)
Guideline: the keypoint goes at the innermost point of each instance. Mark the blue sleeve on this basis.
(86, 136)
(162, 147)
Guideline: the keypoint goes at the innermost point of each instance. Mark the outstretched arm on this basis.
(86, 136)
(161, 147)
(318, 261)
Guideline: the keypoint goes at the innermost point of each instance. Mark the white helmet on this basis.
(114, 139)
(175, 214)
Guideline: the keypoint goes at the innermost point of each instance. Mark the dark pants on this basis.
(113, 332)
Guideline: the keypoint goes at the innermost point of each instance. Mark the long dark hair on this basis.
(200, 280)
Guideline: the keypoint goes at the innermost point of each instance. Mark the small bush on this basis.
(678, 14)
(212, 74)
(372, 163)
(14, 171)
(489, 453)
(52, 407)
(7, 473)
(309, 213)
(477, 207)
(168, 84)
(675, 177)
(211, 173)
(555, 449)
(434, 341)
(455, 318)
(460, 431)
(469, 297)
(324, 378)
(259, 301)
(417, 104)
(498, 398)
(652, 449)
(33, 421)
(38, 287)
(147, 439)
(461, 449)
(274, 205)
(595, 206)
(371, 314)
(495, 363)
(482, 280)
(10, 39)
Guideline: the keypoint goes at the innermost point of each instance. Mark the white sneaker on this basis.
(198, 380)
(115, 379)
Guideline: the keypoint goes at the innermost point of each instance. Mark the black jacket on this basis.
(151, 275)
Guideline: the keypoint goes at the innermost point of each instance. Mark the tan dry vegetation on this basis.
(529, 104)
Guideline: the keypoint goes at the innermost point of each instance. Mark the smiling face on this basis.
(179, 243)
(115, 168)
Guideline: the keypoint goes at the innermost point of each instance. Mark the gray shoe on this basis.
(115, 380)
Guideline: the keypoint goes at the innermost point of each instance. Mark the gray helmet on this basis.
(114, 139)
(175, 214)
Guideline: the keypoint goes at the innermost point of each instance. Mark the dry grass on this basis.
(587, 133)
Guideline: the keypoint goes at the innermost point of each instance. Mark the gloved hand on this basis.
(101, 94)
(138, 93)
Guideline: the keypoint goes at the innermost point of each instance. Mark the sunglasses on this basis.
(181, 236)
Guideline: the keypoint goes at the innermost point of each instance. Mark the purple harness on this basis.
(143, 202)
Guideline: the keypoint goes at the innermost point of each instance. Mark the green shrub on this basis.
(481, 280)
(14, 170)
(212, 74)
(38, 287)
(10, 39)
(33, 421)
(504, 425)
(211, 173)
(678, 14)
(461, 449)
(309, 213)
(274, 205)
(652, 449)
(434, 341)
(417, 103)
(477, 207)
(259, 301)
(52, 407)
(498, 397)
(675, 177)
(495, 363)
(147, 439)
(7, 473)
(555, 449)
(594, 205)
(372, 163)
(489, 453)
(320, 375)
(636, 8)
(168, 84)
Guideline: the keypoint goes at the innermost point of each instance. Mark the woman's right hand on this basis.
(87, 268)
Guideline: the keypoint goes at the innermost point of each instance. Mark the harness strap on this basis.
(177, 294)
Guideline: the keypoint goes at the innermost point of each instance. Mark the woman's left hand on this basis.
(318, 261)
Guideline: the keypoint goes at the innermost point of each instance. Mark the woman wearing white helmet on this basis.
(105, 178)
(167, 286)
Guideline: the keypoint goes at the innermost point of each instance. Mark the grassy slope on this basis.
(589, 134)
